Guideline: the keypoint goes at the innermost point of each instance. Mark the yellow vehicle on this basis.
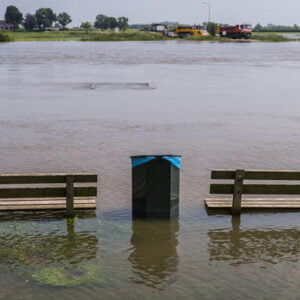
(196, 30)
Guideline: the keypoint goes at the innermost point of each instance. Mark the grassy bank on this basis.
(275, 38)
(211, 39)
(80, 35)
(5, 38)
(125, 36)
(129, 35)
(283, 32)
(48, 36)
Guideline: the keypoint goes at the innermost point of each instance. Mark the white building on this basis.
(158, 27)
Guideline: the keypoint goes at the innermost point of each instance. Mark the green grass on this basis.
(81, 35)
(129, 35)
(5, 38)
(284, 32)
(209, 38)
(47, 36)
(125, 36)
(275, 38)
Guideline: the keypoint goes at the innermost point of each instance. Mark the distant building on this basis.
(4, 25)
(158, 27)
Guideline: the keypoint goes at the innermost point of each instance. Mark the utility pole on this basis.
(208, 4)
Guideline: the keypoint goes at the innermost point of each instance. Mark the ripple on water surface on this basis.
(74, 107)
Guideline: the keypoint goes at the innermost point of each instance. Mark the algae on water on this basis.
(69, 276)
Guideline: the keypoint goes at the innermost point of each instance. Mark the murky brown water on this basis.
(87, 107)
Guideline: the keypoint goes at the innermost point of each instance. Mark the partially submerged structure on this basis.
(158, 27)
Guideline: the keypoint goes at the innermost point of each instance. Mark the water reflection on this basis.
(238, 246)
(49, 254)
(154, 256)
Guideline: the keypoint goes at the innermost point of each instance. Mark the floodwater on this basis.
(87, 107)
(291, 35)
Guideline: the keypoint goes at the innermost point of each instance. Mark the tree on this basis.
(64, 19)
(45, 18)
(123, 23)
(113, 23)
(258, 28)
(212, 28)
(29, 22)
(13, 16)
(102, 22)
(87, 26)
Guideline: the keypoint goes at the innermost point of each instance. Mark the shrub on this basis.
(5, 37)
(212, 28)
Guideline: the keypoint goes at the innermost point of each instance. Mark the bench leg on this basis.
(70, 196)
(238, 192)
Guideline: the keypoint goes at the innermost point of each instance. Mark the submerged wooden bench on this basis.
(238, 188)
(48, 197)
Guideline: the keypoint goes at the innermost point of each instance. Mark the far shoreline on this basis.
(134, 35)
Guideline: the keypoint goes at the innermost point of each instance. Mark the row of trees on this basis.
(276, 28)
(104, 22)
(43, 18)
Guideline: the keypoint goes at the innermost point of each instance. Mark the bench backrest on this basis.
(238, 188)
(46, 192)
(69, 190)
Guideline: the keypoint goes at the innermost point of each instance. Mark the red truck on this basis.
(236, 32)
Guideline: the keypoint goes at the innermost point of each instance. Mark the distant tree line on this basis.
(44, 18)
(104, 22)
(276, 28)
(147, 25)
(138, 26)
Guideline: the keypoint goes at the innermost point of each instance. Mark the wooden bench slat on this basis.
(67, 197)
(250, 202)
(279, 203)
(238, 190)
(46, 178)
(256, 199)
(48, 199)
(257, 175)
(89, 191)
(54, 202)
(45, 207)
(255, 203)
(257, 189)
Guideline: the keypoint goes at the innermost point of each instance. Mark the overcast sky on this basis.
(183, 11)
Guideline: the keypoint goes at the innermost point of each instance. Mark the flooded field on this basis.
(87, 107)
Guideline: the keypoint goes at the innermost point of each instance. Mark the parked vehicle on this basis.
(236, 32)
(196, 30)
(171, 34)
